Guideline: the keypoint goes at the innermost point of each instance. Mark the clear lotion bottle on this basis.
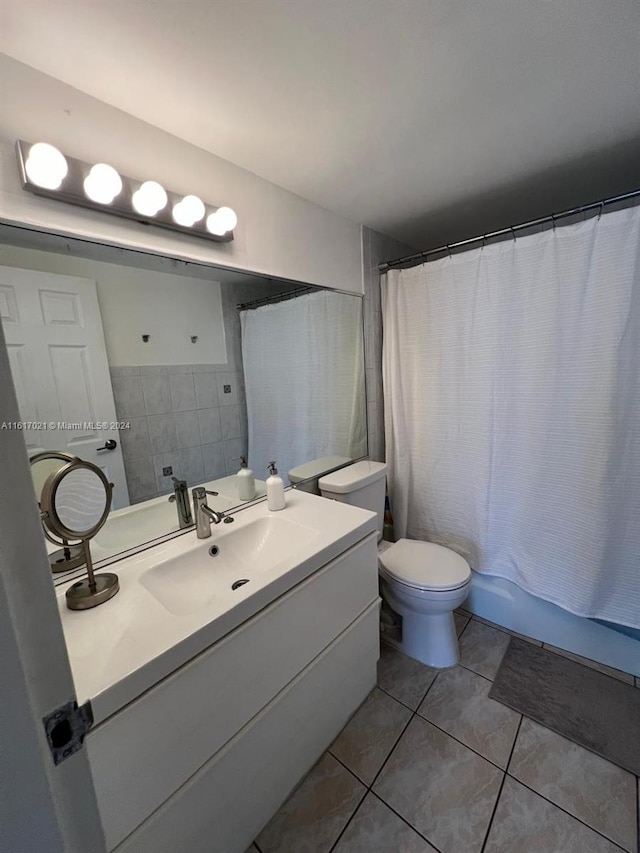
(275, 489)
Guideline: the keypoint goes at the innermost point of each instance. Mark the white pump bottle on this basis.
(246, 481)
(275, 489)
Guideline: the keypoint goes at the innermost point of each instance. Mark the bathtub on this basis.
(506, 604)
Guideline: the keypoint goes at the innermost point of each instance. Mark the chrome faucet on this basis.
(205, 516)
(181, 497)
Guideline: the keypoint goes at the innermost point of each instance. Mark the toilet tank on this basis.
(305, 477)
(362, 484)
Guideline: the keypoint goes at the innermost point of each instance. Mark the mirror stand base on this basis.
(67, 558)
(80, 596)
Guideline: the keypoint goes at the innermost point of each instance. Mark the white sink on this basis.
(176, 599)
(133, 525)
(191, 581)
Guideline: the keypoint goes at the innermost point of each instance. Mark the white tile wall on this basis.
(177, 421)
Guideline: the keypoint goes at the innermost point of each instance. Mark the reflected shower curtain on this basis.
(512, 410)
(304, 379)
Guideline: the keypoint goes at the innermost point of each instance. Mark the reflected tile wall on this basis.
(181, 418)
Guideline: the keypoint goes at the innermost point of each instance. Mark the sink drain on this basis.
(238, 584)
(214, 551)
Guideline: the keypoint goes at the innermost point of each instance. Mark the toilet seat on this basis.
(424, 566)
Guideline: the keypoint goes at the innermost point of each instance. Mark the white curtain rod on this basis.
(511, 230)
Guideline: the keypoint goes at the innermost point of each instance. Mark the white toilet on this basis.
(420, 582)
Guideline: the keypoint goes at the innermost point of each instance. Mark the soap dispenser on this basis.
(275, 489)
(246, 481)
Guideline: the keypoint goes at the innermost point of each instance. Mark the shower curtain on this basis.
(512, 410)
(304, 379)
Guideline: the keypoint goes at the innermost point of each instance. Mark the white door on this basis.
(58, 358)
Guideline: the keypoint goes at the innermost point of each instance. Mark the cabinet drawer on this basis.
(230, 799)
(142, 754)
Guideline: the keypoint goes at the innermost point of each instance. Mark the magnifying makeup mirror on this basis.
(75, 501)
(65, 557)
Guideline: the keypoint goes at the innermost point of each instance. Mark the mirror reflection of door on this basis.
(58, 358)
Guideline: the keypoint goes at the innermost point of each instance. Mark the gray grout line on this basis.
(465, 627)
(495, 805)
(404, 820)
(354, 813)
(504, 771)
(468, 668)
(466, 745)
(482, 621)
(404, 705)
(375, 778)
(391, 751)
(546, 799)
(511, 776)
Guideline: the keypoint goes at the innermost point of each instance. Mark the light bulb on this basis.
(102, 184)
(149, 199)
(223, 220)
(188, 211)
(227, 218)
(213, 225)
(46, 167)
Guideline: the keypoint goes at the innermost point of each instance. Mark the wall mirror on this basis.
(162, 372)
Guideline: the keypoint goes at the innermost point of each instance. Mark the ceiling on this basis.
(430, 120)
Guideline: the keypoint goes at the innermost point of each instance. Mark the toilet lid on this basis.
(425, 565)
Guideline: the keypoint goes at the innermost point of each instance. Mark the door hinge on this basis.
(66, 728)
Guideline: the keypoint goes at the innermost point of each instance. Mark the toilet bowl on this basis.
(421, 583)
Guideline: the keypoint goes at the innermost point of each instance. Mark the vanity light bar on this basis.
(46, 171)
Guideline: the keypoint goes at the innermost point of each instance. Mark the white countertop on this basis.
(123, 647)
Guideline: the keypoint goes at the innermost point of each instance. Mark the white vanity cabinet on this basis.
(203, 759)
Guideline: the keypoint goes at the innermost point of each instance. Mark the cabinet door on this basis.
(175, 727)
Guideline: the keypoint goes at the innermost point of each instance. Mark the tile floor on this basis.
(430, 764)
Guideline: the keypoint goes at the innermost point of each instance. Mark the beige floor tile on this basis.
(526, 823)
(368, 738)
(459, 703)
(461, 621)
(482, 648)
(592, 664)
(589, 787)
(316, 813)
(440, 787)
(507, 630)
(404, 678)
(376, 829)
